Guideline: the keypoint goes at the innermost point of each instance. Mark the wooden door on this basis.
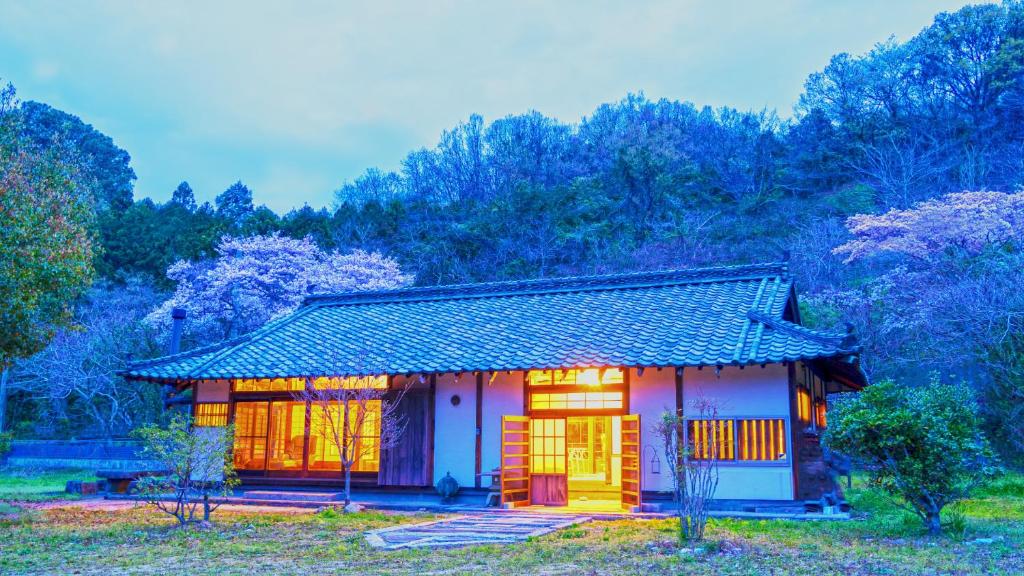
(406, 463)
(549, 481)
(515, 461)
(631, 462)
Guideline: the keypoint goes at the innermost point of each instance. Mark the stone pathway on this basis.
(485, 528)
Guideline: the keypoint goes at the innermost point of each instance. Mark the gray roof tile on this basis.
(701, 317)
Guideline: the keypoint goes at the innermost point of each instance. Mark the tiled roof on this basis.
(720, 316)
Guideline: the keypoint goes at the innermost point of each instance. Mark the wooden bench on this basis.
(121, 481)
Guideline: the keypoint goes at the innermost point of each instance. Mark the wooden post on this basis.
(479, 428)
(431, 404)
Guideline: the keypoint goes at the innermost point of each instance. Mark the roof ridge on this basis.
(845, 341)
(536, 286)
(768, 305)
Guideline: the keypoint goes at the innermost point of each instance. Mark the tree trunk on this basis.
(348, 485)
(934, 522)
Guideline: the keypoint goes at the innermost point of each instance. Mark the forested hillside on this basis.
(641, 184)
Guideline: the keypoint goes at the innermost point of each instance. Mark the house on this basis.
(556, 382)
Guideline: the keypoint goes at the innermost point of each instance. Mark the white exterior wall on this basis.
(455, 428)
(753, 392)
(650, 396)
(502, 396)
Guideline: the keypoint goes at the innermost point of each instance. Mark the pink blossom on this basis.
(970, 221)
(254, 280)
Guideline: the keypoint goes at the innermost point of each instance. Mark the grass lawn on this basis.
(58, 538)
(38, 485)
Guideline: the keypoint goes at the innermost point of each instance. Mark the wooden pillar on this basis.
(479, 428)
(679, 391)
(431, 408)
(794, 429)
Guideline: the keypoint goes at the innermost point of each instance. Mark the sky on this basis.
(294, 99)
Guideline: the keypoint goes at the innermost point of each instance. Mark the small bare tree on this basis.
(198, 465)
(351, 418)
(693, 463)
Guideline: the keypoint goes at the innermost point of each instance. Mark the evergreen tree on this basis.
(234, 205)
(184, 197)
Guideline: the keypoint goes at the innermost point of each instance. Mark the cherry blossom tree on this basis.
(951, 300)
(968, 221)
(256, 279)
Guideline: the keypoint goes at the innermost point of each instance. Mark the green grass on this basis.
(882, 539)
(38, 485)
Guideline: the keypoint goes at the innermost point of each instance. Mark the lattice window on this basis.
(576, 401)
(762, 439)
(547, 446)
(709, 438)
(211, 414)
(576, 377)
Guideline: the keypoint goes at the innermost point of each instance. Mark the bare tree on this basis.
(693, 463)
(359, 415)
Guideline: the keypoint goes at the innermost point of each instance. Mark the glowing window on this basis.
(576, 377)
(762, 439)
(298, 384)
(250, 451)
(803, 405)
(547, 446)
(576, 401)
(712, 439)
(820, 410)
(211, 414)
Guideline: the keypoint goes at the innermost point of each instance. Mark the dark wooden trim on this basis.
(432, 405)
(478, 466)
(794, 430)
(680, 372)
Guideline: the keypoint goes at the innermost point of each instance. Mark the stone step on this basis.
(293, 496)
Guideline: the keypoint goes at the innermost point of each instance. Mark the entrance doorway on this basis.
(594, 453)
(581, 461)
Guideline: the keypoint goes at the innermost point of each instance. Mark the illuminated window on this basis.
(250, 449)
(803, 405)
(576, 401)
(712, 438)
(326, 428)
(576, 377)
(211, 414)
(762, 439)
(299, 384)
(287, 435)
(820, 409)
(547, 446)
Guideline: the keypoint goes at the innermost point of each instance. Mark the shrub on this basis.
(198, 464)
(923, 445)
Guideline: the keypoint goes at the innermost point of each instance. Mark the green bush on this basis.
(923, 445)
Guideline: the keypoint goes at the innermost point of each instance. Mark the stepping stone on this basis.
(485, 528)
(297, 496)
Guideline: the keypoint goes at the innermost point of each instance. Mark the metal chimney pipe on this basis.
(177, 323)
